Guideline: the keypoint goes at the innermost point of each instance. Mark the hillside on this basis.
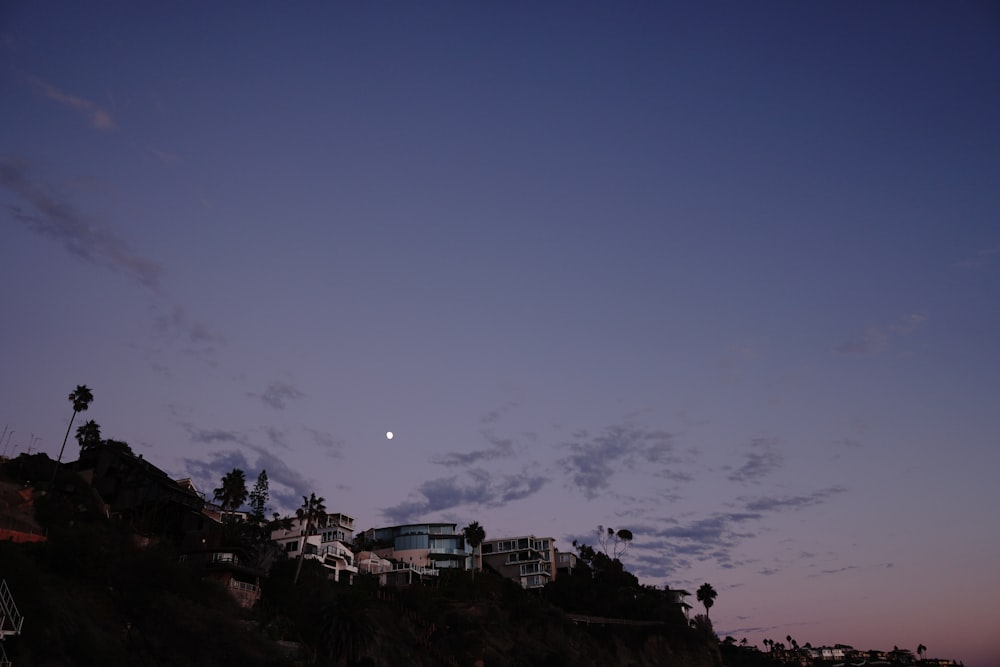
(96, 593)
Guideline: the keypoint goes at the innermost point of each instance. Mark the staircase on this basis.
(10, 618)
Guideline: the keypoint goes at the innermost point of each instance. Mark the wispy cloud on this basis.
(286, 486)
(481, 488)
(278, 394)
(98, 118)
(875, 339)
(177, 322)
(668, 545)
(214, 436)
(594, 459)
(333, 446)
(762, 459)
(48, 215)
(675, 545)
(777, 503)
(837, 570)
(498, 448)
(493, 415)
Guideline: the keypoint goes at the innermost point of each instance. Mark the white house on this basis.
(328, 544)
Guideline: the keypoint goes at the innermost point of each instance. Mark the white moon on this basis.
(388, 435)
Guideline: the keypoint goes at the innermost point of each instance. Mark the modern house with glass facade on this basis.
(528, 560)
(424, 545)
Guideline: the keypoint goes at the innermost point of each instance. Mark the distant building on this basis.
(528, 560)
(828, 652)
(137, 492)
(329, 544)
(432, 546)
(677, 596)
(392, 573)
(565, 562)
(227, 565)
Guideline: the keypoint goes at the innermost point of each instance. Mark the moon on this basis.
(388, 435)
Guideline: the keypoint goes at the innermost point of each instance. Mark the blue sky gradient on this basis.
(725, 274)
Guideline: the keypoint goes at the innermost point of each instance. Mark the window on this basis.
(291, 546)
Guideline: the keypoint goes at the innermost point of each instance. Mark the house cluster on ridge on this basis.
(134, 490)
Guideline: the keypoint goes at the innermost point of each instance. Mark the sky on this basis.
(724, 274)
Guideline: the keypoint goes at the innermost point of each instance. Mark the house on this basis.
(528, 560)
(328, 544)
(391, 573)
(207, 549)
(432, 546)
(565, 562)
(827, 652)
(226, 564)
(137, 492)
(677, 597)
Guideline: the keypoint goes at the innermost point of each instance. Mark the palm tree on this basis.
(706, 596)
(81, 398)
(920, 650)
(88, 435)
(233, 492)
(474, 535)
(313, 515)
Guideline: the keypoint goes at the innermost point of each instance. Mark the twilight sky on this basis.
(724, 274)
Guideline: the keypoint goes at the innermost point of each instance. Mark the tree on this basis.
(920, 650)
(233, 492)
(312, 515)
(702, 624)
(81, 398)
(618, 541)
(706, 595)
(88, 435)
(348, 630)
(474, 535)
(258, 499)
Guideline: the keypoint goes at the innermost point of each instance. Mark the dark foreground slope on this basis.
(91, 594)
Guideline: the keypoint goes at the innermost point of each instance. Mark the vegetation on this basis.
(96, 594)
(617, 541)
(233, 491)
(475, 535)
(706, 595)
(81, 398)
(107, 588)
(88, 435)
(312, 515)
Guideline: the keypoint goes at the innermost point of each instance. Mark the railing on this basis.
(226, 558)
(9, 615)
(419, 569)
(243, 586)
(603, 620)
(338, 552)
(4, 662)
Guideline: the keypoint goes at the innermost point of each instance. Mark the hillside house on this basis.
(528, 560)
(328, 544)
